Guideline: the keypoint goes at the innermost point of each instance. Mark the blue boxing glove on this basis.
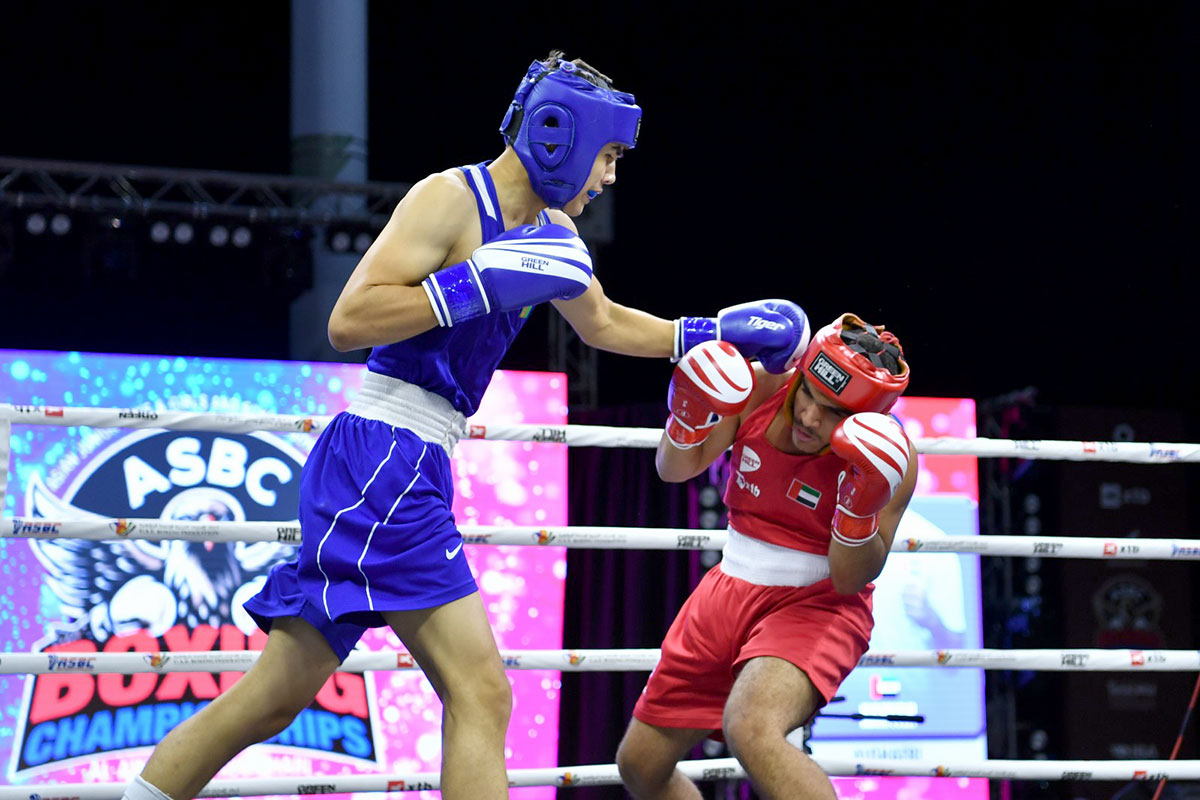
(523, 266)
(776, 332)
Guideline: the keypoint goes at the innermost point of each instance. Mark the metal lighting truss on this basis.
(117, 189)
(237, 196)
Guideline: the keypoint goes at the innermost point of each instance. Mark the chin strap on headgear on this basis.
(559, 122)
(848, 361)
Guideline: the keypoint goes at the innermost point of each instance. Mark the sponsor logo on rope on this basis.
(405, 661)
(1188, 551)
(877, 660)
(1078, 660)
(543, 537)
(511, 660)
(863, 769)
(477, 431)
(1140, 658)
(137, 413)
(59, 664)
(1165, 454)
(574, 658)
(548, 434)
(316, 788)
(1110, 548)
(691, 541)
(1046, 548)
(24, 527)
(944, 657)
(288, 533)
(912, 545)
(410, 786)
(122, 527)
(1077, 776)
(568, 779)
(717, 773)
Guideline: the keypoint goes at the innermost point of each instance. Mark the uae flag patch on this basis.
(804, 494)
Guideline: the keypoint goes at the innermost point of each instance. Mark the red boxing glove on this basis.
(877, 450)
(711, 381)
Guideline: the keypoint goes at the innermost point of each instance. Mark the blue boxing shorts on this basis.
(378, 534)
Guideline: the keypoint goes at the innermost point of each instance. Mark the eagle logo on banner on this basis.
(162, 596)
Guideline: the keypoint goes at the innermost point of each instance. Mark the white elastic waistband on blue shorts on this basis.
(405, 405)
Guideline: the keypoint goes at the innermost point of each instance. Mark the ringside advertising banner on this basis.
(74, 598)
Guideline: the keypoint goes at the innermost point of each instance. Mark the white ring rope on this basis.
(594, 538)
(600, 660)
(634, 660)
(582, 435)
(607, 775)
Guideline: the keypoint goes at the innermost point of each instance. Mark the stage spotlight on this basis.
(184, 233)
(60, 224)
(160, 232)
(241, 236)
(362, 241)
(35, 224)
(339, 241)
(218, 236)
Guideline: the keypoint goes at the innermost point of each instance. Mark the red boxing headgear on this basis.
(850, 370)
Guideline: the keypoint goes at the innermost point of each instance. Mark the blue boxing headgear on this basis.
(559, 122)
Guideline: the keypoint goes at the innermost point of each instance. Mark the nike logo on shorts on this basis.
(452, 553)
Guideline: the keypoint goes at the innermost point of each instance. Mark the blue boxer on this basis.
(376, 491)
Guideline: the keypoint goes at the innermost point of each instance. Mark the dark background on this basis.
(1009, 187)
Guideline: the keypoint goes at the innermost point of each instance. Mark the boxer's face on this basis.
(604, 173)
(814, 416)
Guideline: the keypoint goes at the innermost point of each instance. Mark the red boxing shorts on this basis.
(728, 621)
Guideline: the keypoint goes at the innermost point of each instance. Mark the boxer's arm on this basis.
(675, 465)
(383, 301)
(610, 326)
(852, 568)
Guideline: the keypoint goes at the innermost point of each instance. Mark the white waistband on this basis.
(765, 564)
(405, 405)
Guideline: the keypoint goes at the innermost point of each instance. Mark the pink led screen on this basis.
(79, 597)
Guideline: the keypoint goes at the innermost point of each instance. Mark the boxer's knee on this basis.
(647, 756)
(484, 696)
